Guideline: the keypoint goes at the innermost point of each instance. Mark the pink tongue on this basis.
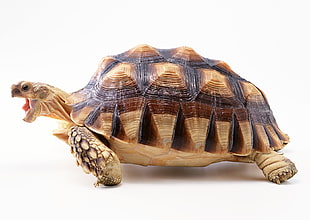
(26, 106)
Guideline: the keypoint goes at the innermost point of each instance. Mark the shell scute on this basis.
(169, 75)
(222, 66)
(142, 51)
(215, 83)
(164, 116)
(177, 99)
(187, 54)
(119, 77)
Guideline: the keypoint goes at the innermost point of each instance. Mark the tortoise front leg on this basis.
(94, 156)
(275, 167)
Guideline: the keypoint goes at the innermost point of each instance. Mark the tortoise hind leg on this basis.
(94, 156)
(275, 167)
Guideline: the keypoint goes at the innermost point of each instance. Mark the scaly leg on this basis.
(275, 167)
(94, 156)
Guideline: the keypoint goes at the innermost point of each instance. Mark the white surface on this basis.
(60, 42)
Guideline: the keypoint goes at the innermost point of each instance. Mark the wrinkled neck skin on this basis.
(55, 105)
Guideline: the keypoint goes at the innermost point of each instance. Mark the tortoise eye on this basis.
(25, 87)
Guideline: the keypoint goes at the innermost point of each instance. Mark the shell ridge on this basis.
(108, 68)
(145, 126)
(254, 136)
(260, 138)
(144, 77)
(116, 124)
(227, 73)
(176, 142)
(79, 106)
(193, 80)
(180, 138)
(237, 90)
(242, 137)
(233, 129)
(92, 117)
(283, 137)
(270, 139)
(275, 141)
(234, 147)
(209, 145)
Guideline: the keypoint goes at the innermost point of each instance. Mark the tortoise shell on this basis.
(176, 99)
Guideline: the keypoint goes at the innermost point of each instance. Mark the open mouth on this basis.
(31, 109)
(26, 106)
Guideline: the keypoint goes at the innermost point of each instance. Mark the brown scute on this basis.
(223, 114)
(142, 50)
(79, 116)
(186, 53)
(105, 63)
(169, 75)
(282, 136)
(131, 123)
(274, 140)
(215, 83)
(197, 129)
(92, 114)
(251, 93)
(168, 81)
(130, 113)
(126, 118)
(196, 110)
(176, 99)
(103, 123)
(219, 136)
(241, 114)
(163, 116)
(165, 124)
(260, 113)
(225, 67)
(260, 139)
(119, 77)
(221, 102)
(131, 104)
(158, 106)
(222, 136)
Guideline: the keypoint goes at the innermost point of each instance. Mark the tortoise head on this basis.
(42, 100)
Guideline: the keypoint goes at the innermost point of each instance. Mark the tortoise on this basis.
(163, 107)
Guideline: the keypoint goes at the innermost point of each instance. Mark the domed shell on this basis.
(176, 99)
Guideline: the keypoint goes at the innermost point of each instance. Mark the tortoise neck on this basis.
(57, 105)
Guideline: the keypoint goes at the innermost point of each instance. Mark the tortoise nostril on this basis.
(15, 92)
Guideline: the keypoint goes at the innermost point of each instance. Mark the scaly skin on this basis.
(94, 156)
(275, 167)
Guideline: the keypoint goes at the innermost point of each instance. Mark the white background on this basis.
(60, 42)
